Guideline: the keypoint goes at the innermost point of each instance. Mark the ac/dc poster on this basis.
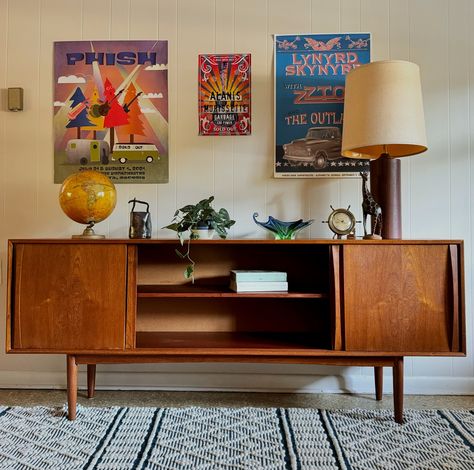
(111, 109)
(310, 71)
(224, 94)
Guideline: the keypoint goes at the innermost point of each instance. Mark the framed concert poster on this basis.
(111, 109)
(224, 94)
(310, 72)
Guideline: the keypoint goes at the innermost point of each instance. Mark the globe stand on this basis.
(89, 233)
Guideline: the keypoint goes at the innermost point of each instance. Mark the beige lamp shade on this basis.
(383, 111)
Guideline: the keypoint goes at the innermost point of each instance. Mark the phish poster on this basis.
(310, 71)
(111, 109)
(224, 94)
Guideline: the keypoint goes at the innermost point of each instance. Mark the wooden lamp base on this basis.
(385, 188)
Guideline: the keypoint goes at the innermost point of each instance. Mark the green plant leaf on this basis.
(221, 231)
(173, 226)
(192, 216)
(188, 272)
(205, 202)
(224, 214)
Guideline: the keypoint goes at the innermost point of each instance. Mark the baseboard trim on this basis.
(242, 382)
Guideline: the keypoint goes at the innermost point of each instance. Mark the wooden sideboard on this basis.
(350, 302)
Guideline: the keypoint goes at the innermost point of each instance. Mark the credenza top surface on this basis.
(237, 241)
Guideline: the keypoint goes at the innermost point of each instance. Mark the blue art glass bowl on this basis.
(282, 230)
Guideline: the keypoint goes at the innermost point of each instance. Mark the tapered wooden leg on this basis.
(91, 380)
(398, 389)
(71, 387)
(378, 373)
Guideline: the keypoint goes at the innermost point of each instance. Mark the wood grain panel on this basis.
(336, 299)
(244, 315)
(131, 296)
(69, 297)
(232, 342)
(276, 356)
(9, 327)
(397, 298)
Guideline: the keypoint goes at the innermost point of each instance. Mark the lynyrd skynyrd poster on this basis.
(310, 72)
(224, 94)
(111, 109)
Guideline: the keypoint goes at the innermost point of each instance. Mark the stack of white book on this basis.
(258, 281)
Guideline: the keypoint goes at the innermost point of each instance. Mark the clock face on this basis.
(341, 221)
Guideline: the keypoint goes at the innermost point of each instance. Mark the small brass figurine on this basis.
(372, 208)
(140, 222)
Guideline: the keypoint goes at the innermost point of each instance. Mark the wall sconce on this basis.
(15, 99)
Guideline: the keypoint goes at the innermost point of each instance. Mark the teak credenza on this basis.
(350, 302)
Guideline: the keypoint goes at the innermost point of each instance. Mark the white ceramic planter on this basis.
(204, 234)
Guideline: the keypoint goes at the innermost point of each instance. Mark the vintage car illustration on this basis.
(320, 145)
(84, 151)
(135, 153)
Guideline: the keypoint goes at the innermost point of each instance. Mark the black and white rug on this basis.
(234, 438)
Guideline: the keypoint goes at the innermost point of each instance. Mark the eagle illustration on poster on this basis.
(111, 109)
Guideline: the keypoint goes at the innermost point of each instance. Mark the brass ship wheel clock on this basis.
(342, 222)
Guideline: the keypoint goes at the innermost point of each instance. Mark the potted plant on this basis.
(202, 221)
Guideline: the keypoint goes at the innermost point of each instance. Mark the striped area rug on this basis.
(234, 438)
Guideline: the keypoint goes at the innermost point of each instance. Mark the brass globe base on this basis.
(89, 234)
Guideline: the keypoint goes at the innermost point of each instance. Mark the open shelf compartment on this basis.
(230, 340)
(250, 322)
(174, 313)
(160, 271)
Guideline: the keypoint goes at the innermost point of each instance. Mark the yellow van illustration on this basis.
(86, 151)
(135, 153)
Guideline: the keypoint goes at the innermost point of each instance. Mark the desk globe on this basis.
(87, 197)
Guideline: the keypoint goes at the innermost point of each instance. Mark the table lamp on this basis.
(383, 120)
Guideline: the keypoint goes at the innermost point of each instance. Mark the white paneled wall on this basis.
(436, 185)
